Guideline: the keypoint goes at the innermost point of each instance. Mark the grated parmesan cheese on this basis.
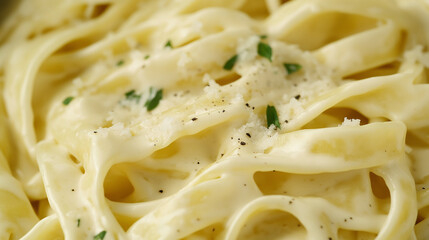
(350, 122)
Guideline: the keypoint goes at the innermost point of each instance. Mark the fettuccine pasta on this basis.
(215, 119)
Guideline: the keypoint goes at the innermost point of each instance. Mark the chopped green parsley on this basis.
(100, 236)
(67, 100)
(120, 63)
(264, 50)
(131, 95)
(292, 67)
(230, 63)
(154, 98)
(168, 44)
(272, 117)
(78, 222)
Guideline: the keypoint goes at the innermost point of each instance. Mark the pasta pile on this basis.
(215, 119)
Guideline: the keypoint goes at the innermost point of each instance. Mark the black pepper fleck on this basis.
(297, 97)
(161, 191)
(194, 119)
(242, 143)
(248, 134)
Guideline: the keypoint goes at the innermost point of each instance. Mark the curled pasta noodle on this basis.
(196, 119)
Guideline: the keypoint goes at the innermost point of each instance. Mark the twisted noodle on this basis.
(123, 120)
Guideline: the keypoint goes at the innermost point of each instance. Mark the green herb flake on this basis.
(292, 67)
(263, 36)
(272, 117)
(131, 95)
(154, 98)
(264, 50)
(67, 100)
(100, 236)
(120, 63)
(230, 63)
(78, 222)
(168, 44)
(147, 56)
